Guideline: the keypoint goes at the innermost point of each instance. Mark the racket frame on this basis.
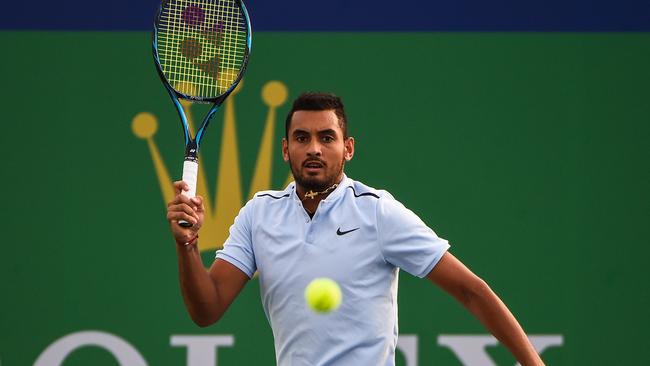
(192, 145)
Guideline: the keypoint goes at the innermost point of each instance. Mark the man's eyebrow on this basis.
(327, 131)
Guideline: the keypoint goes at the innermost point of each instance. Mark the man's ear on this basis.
(285, 149)
(349, 148)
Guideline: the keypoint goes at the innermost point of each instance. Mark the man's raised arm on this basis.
(207, 294)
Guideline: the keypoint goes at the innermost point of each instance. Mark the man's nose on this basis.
(314, 147)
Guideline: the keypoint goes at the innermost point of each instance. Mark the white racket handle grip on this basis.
(190, 173)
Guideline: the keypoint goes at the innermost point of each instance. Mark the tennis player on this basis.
(326, 224)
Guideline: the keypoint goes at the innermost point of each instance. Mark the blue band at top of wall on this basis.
(353, 15)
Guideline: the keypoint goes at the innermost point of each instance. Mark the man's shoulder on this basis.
(273, 195)
(359, 189)
(262, 201)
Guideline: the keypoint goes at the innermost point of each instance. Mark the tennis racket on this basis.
(201, 49)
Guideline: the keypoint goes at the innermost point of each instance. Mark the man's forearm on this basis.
(199, 292)
(493, 313)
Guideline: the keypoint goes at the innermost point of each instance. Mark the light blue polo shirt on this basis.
(359, 237)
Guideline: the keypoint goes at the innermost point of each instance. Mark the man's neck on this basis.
(310, 198)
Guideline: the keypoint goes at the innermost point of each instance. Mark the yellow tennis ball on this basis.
(323, 295)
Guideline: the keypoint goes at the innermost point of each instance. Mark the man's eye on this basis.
(328, 138)
(301, 138)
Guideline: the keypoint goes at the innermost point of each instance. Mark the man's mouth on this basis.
(313, 164)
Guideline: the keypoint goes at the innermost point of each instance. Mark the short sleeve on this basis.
(238, 248)
(405, 240)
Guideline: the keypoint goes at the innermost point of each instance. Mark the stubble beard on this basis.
(313, 183)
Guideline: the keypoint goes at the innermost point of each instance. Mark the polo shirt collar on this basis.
(332, 197)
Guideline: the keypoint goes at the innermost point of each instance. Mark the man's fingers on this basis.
(180, 186)
(198, 201)
(179, 215)
(183, 207)
(181, 199)
(189, 210)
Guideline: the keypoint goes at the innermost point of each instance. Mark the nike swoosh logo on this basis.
(339, 232)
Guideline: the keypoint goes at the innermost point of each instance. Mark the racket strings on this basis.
(202, 45)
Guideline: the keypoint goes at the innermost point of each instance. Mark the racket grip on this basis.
(190, 174)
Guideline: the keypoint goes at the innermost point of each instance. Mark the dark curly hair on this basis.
(317, 101)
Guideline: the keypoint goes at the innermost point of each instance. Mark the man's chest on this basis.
(295, 249)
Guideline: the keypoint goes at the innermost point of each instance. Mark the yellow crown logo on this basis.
(220, 212)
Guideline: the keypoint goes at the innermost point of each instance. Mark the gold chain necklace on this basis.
(311, 194)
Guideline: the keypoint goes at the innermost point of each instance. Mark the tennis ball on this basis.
(323, 295)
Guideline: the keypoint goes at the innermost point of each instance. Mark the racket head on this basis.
(201, 47)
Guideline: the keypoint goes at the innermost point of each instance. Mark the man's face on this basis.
(316, 149)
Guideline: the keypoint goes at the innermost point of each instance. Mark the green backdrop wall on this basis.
(528, 152)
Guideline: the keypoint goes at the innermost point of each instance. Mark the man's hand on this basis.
(184, 208)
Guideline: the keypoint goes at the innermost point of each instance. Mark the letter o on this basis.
(124, 353)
